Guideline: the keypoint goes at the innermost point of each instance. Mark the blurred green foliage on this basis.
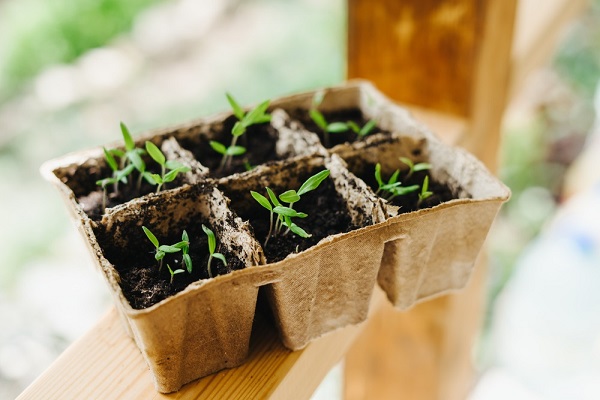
(578, 60)
(38, 33)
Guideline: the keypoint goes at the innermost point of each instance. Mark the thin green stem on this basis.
(270, 229)
(104, 200)
(210, 257)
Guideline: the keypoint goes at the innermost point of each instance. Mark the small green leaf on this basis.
(129, 143)
(402, 190)
(390, 186)
(117, 152)
(289, 212)
(354, 126)
(112, 163)
(248, 166)
(159, 255)
(169, 249)
(235, 150)
(185, 237)
(254, 116)
(318, 118)
(337, 127)
(122, 174)
(220, 257)
(272, 197)
(105, 182)
(408, 162)
(172, 164)
(178, 271)
(218, 147)
(136, 160)
(238, 129)
(299, 231)
(378, 175)
(212, 241)
(148, 177)
(238, 111)
(171, 175)
(394, 177)
(262, 200)
(367, 128)
(188, 262)
(425, 186)
(155, 153)
(289, 196)
(181, 245)
(157, 178)
(313, 182)
(422, 167)
(151, 236)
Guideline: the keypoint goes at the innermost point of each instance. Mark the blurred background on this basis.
(70, 71)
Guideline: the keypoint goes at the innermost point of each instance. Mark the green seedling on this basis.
(256, 116)
(425, 193)
(173, 273)
(286, 213)
(131, 155)
(319, 119)
(162, 250)
(174, 168)
(412, 167)
(212, 245)
(365, 130)
(392, 188)
(118, 175)
(185, 249)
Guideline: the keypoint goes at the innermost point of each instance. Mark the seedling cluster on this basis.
(286, 213)
(393, 188)
(256, 116)
(183, 246)
(130, 160)
(336, 127)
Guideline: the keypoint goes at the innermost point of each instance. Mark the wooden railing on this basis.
(456, 64)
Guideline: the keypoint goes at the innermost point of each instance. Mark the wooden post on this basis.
(452, 56)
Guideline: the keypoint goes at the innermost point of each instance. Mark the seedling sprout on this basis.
(212, 245)
(258, 115)
(173, 273)
(425, 193)
(319, 119)
(174, 167)
(162, 250)
(286, 213)
(118, 175)
(392, 188)
(414, 167)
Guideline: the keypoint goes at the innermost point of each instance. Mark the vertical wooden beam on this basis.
(451, 56)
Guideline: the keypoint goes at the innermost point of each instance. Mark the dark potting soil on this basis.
(410, 202)
(259, 141)
(327, 215)
(351, 114)
(141, 281)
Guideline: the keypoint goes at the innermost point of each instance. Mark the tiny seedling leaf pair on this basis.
(335, 127)
(258, 115)
(286, 213)
(212, 246)
(393, 188)
(174, 167)
(162, 250)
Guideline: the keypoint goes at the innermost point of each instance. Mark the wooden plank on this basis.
(425, 353)
(418, 52)
(106, 364)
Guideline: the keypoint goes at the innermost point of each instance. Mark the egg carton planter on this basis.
(199, 324)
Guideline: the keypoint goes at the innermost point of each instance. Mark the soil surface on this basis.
(410, 202)
(141, 281)
(327, 215)
(351, 114)
(259, 141)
